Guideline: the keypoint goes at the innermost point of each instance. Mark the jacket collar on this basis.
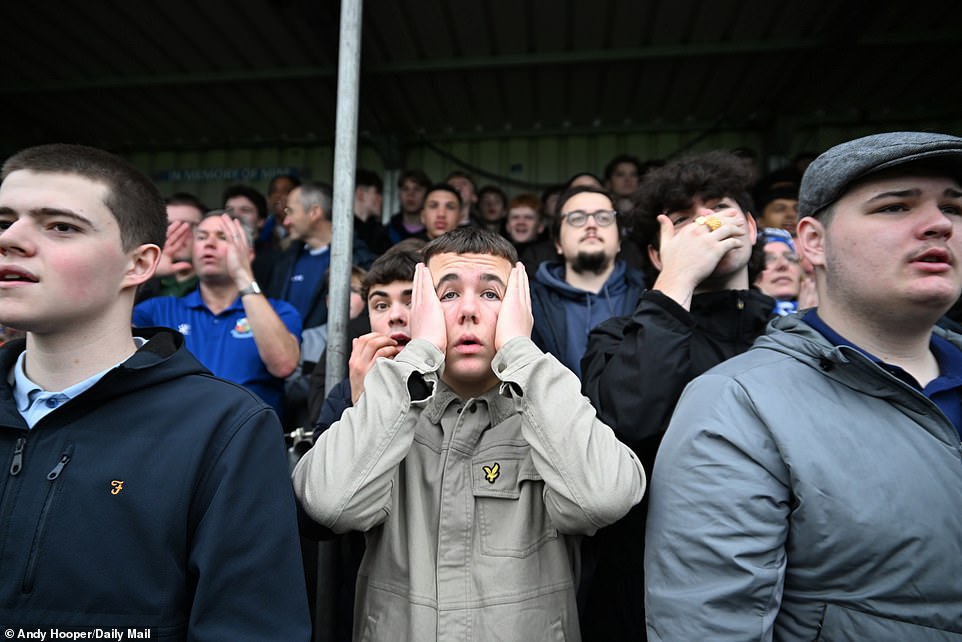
(500, 406)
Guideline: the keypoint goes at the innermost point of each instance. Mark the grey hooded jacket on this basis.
(802, 492)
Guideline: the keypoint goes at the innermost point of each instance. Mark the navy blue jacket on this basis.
(158, 498)
(564, 315)
(283, 269)
(335, 403)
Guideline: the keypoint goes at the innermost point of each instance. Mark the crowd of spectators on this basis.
(590, 413)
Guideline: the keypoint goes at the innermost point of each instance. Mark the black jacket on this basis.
(634, 371)
(157, 498)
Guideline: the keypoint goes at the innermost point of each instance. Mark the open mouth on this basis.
(14, 275)
(402, 339)
(468, 345)
(934, 256)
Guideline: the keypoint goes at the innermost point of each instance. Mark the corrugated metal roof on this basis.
(174, 74)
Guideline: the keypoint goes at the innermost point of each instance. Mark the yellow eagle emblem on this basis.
(491, 472)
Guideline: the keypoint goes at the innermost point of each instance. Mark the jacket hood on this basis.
(790, 335)
(799, 340)
(551, 275)
(164, 347)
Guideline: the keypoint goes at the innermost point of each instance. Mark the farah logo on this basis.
(117, 486)
(492, 472)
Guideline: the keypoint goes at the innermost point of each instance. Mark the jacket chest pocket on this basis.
(509, 504)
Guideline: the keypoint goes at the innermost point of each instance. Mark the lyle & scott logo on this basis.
(491, 473)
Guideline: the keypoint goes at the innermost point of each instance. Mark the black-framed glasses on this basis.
(578, 218)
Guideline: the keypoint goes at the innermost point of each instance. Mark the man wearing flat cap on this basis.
(829, 508)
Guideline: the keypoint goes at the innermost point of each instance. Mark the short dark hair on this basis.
(461, 174)
(619, 160)
(185, 198)
(251, 194)
(494, 189)
(548, 192)
(131, 197)
(295, 181)
(442, 187)
(397, 264)
(368, 178)
(673, 187)
(471, 240)
(763, 197)
(575, 177)
(416, 175)
(570, 193)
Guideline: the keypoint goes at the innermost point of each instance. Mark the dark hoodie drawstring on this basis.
(588, 305)
(611, 310)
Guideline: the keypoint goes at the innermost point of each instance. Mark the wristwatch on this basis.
(253, 288)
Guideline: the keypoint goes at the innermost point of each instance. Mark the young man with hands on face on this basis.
(471, 462)
(386, 289)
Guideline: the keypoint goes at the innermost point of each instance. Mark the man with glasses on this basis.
(588, 285)
(692, 219)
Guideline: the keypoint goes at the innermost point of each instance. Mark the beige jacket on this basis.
(472, 509)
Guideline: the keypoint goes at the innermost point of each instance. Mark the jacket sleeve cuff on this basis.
(513, 356)
(426, 361)
(421, 355)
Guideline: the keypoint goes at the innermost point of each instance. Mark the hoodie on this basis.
(158, 498)
(564, 315)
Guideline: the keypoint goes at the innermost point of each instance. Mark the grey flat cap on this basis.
(827, 179)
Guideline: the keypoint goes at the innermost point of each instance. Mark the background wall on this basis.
(516, 163)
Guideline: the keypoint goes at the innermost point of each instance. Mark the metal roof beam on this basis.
(468, 63)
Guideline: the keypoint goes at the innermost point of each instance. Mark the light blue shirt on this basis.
(34, 403)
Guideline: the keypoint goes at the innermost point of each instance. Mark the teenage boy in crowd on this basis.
(141, 491)
(828, 507)
(387, 291)
(693, 218)
(413, 185)
(386, 288)
(471, 462)
(441, 209)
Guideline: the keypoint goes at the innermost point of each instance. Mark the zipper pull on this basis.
(17, 464)
(53, 474)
